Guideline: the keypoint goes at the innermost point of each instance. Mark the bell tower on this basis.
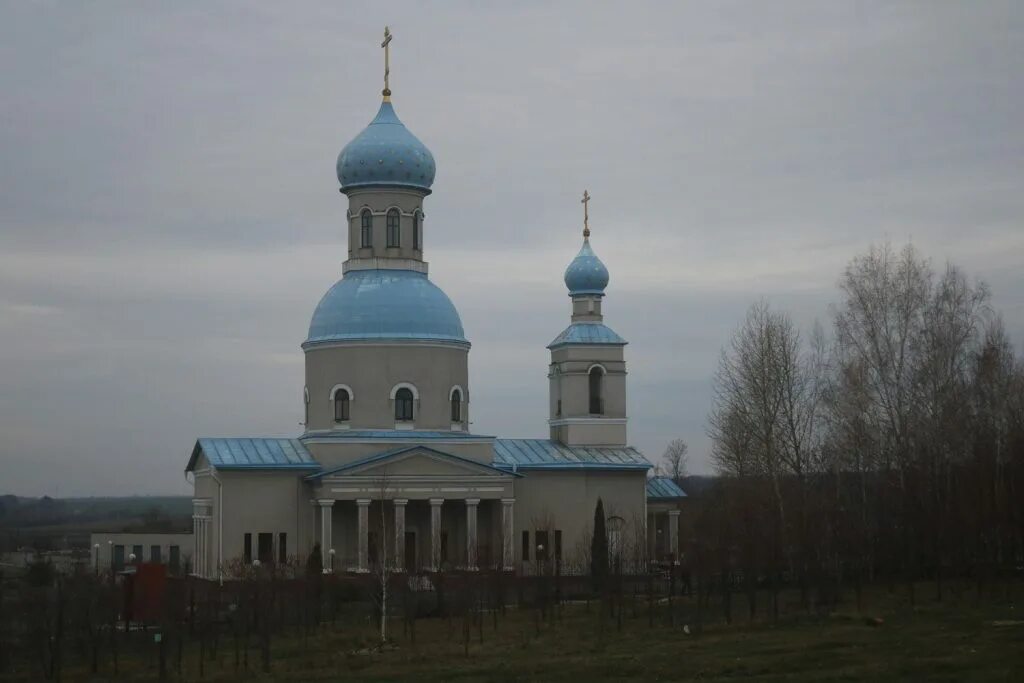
(587, 375)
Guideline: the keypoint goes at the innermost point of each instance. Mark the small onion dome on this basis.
(386, 154)
(586, 274)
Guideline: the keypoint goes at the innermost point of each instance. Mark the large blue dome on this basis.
(386, 154)
(385, 304)
(586, 274)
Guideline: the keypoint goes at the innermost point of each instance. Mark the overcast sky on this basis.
(169, 213)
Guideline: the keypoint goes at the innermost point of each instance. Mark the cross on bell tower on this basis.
(387, 63)
(586, 216)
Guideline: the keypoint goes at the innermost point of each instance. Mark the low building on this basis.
(118, 550)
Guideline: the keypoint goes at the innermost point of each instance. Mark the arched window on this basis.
(596, 400)
(366, 229)
(456, 405)
(394, 229)
(416, 237)
(403, 405)
(342, 402)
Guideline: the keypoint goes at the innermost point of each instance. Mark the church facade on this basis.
(387, 469)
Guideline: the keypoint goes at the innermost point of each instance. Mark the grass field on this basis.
(949, 641)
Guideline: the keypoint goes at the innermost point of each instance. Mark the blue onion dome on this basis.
(386, 154)
(586, 274)
(385, 305)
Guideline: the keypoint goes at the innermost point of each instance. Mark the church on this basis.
(387, 470)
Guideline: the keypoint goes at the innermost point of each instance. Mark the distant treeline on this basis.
(51, 523)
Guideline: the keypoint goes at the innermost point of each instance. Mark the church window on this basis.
(154, 554)
(366, 229)
(341, 405)
(558, 546)
(265, 548)
(394, 228)
(403, 404)
(596, 375)
(526, 546)
(416, 237)
(137, 552)
(541, 536)
(456, 405)
(282, 548)
(247, 549)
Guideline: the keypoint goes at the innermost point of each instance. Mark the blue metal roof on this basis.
(663, 488)
(398, 451)
(385, 304)
(266, 454)
(587, 333)
(392, 434)
(386, 154)
(545, 454)
(586, 274)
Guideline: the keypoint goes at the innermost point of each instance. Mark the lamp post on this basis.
(96, 558)
(331, 553)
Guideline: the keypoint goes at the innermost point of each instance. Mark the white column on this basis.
(435, 533)
(203, 550)
(205, 524)
(471, 545)
(312, 523)
(207, 549)
(364, 531)
(326, 535)
(400, 533)
(507, 532)
(195, 546)
(673, 534)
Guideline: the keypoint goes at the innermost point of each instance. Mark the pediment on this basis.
(415, 461)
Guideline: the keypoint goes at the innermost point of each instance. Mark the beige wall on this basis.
(569, 381)
(264, 501)
(334, 453)
(590, 432)
(566, 500)
(372, 370)
(379, 201)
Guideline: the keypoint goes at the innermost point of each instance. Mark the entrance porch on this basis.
(414, 510)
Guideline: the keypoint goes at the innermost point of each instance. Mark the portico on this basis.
(414, 509)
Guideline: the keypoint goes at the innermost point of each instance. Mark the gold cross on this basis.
(586, 217)
(387, 62)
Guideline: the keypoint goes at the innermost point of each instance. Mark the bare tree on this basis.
(382, 568)
(676, 458)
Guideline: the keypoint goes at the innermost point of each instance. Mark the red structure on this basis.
(144, 591)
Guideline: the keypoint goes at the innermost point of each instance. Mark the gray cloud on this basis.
(169, 215)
